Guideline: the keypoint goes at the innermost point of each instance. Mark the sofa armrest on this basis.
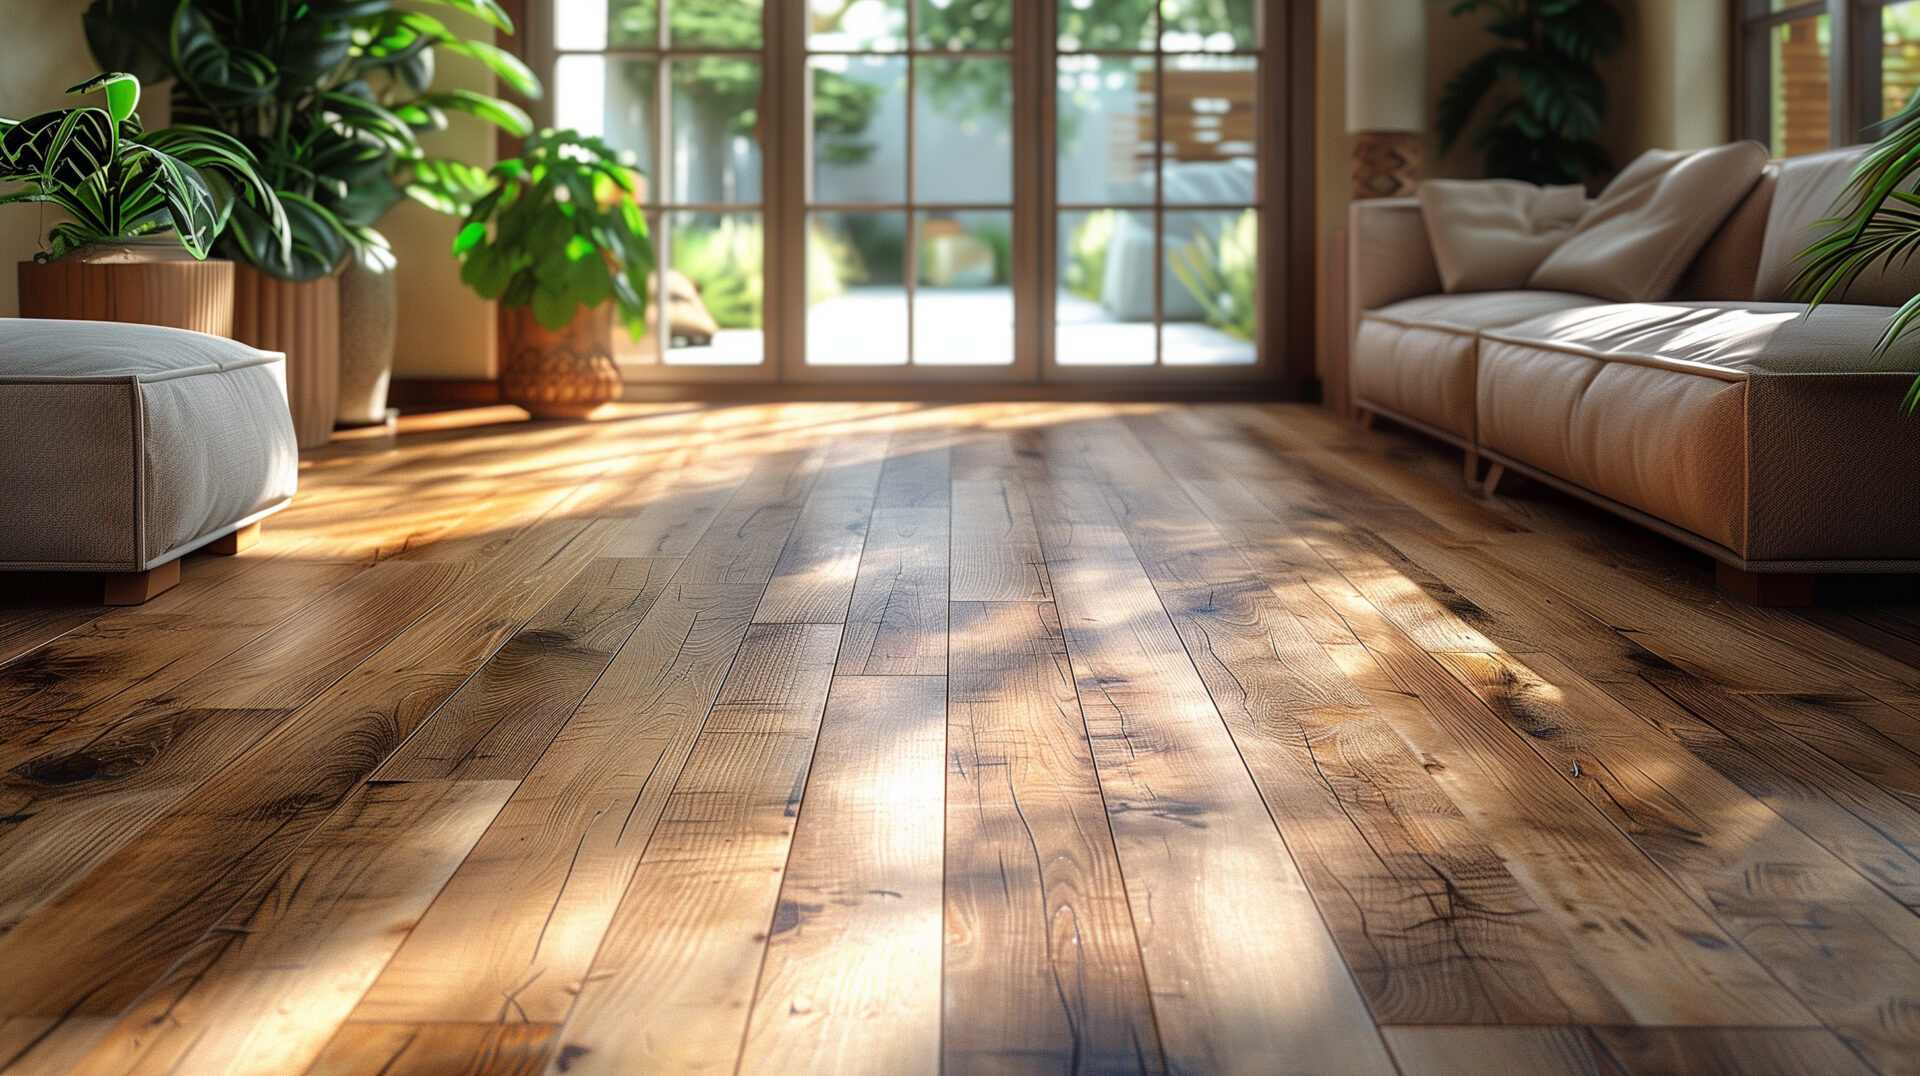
(1388, 255)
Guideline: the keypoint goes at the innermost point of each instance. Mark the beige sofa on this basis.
(1723, 417)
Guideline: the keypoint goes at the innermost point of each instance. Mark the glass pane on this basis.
(714, 24)
(859, 108)
(645, 351)
(1210, 298)
(856, 289)
(716, 130)
(716, 289)
(1207, 25)
(857, 25)
(613, 99)
(1208, 129)
(1899, 55)
(1107, 24)
(963, 120)
(962, 25)
(1103, 311)
(1106, 130)
(963, 305)
(1799, 54)
(631, 24)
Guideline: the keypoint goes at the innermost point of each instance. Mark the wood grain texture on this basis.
(996, 737)
(266, 988)
(1042, 964)
(1192, 834)
(501, 719)
(851, 981)
(671, 988)
(542, 884)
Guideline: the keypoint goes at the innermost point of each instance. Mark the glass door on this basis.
(883, 191)
(1156, 185)
(910, 210)
(678, 84)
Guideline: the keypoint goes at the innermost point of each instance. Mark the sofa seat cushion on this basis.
(1416, 358)
(126, 445)
(1749, 424)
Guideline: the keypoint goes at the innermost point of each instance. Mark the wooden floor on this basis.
(1001, 738)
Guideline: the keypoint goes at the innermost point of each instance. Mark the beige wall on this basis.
(31, 81)
(1668, 88)
(445, 330)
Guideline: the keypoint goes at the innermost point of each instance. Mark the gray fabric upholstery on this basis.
(126, 445)
(1807, 192)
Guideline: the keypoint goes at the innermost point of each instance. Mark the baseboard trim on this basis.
(419, 392)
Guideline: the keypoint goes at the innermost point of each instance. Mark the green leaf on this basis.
(508, 117)
(123, 93)
(553, 309)
(470, 235)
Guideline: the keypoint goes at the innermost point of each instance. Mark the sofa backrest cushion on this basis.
(1651, 221)
(1730, 263)
(1491, 234)
(1809, 189)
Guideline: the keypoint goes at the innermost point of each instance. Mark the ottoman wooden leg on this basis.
(133, 588)
(238, 542)
(1770, 588)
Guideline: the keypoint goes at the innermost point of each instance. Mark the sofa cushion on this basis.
(1808, 191)
(1774, 434)
(1651, 221)
(1490, 235)
(1728, 266)
(1415, 358)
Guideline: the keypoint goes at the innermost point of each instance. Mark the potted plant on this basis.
(331, 96)
(1543, 129)
(1876, 222)
(560, 242)
(143, 209)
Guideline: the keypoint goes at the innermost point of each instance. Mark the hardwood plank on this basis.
(745, 539)
(66, 813)
(439, 1050)
(897, 622)
(1731, 1052)
(517, 926)
(101, 943)
(814, 578)
(497, 724)
(1192, 833)
(671, 987)
(995, 549)
(1042, 964)
(851, 981)
(31, 1044)
(265, 990)
(1475, 1051)
(289, 666)
(1427, 917)
(1861, 975)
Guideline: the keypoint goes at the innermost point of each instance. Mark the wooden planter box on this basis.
(148, 287)
(302, 319)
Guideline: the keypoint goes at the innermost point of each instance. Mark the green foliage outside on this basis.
(726, 259)
(1543, 97)
(1221, 271)
(1086, 267)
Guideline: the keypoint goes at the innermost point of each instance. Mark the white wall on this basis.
(47, 54)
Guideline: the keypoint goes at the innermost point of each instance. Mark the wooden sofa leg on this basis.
(1366, 420)
(1494, 474)
(1472, 466)
(238, 542)
(1771, 588)
(133, 588)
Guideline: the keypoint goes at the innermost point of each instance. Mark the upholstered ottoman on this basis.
(123, 447)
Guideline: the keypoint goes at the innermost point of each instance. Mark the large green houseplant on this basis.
(560, 242)
(1548, 99)
(118, 185)
(1876, 221)
(332, 97)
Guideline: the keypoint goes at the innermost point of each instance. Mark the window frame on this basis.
(1854, 71)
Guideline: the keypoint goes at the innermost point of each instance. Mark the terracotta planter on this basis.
(369, 318)
(565, 374)
(148, 284)
(301, 318)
